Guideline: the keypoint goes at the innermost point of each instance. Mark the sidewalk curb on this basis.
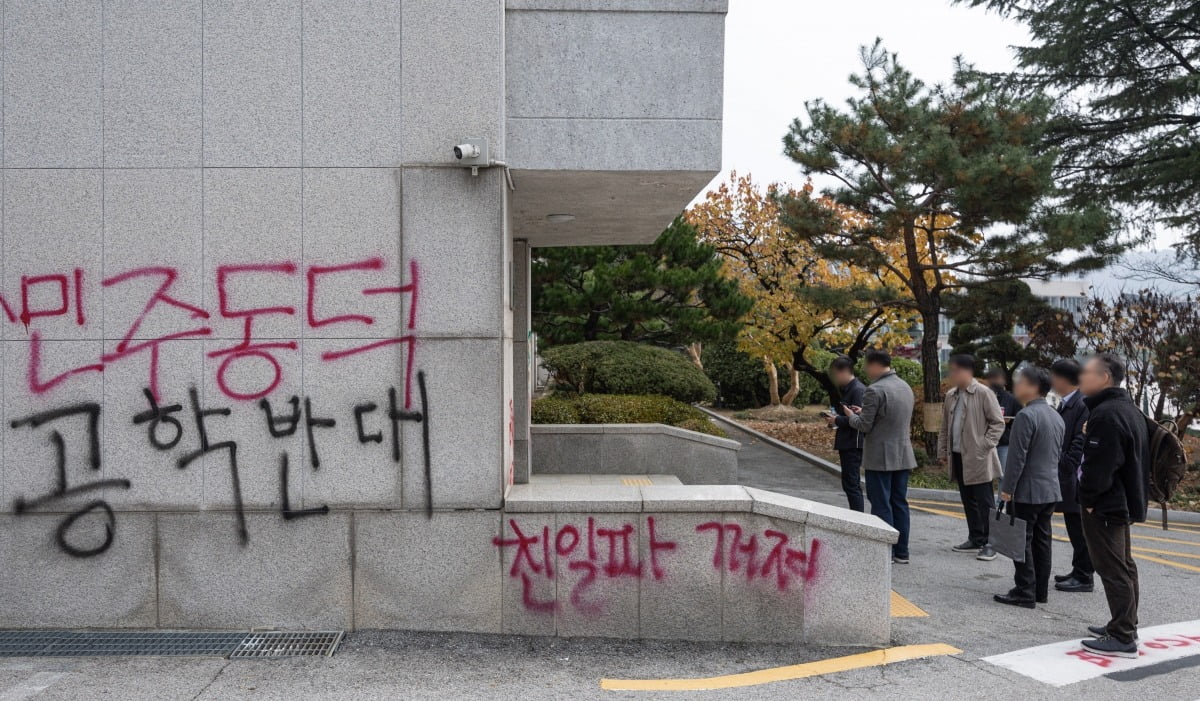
(1153, 515)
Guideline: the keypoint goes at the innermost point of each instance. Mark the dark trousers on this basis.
(1081, 561)
(851, 461)
(1032, 577)
(1109, 546)
(888, 492)
(977, 500)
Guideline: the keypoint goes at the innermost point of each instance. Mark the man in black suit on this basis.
(1064, 374)
(847, 441)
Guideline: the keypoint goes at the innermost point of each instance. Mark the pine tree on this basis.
(954, 176)
(668, 293)
(986, 317)
(1128, 78)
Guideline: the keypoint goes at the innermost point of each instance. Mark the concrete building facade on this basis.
(265, 339)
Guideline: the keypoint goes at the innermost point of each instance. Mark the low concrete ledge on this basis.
(698, 562)
(633, 449)
(584, 498)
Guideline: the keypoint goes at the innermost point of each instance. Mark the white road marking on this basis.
(1059, 664)
(28, 688)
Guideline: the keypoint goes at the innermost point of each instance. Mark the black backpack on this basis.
(1168, 463)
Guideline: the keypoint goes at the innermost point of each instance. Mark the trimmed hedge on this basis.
(621, 409)
(622, 367)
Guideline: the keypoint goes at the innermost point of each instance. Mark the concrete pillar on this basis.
(522, 360)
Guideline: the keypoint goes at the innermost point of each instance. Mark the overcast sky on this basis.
(780, 53)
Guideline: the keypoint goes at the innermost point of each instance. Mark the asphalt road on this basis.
(954, 590)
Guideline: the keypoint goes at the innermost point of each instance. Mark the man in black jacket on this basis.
(1009, 406)
(1064, 374)
(847, 441)
(1112, 492)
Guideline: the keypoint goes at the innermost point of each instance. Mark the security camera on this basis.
(467, 151)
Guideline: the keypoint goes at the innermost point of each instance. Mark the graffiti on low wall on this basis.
(175, 421)
(599, 551)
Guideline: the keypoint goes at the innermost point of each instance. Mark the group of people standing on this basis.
(1084, 458)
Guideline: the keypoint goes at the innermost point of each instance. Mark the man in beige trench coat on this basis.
(972, 424)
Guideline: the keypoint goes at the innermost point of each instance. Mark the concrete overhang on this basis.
(613, 115)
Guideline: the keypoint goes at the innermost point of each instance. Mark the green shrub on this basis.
(703, 426)
(621, 367)
(740, 379)
(908, 370)
(554, 410)
(621, 409)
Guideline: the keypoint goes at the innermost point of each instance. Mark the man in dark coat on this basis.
(1030, 484)
(1064, 374)
(996, 380)
(847, 441)
(1112, 492)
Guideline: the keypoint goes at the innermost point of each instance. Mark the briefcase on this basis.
(1006, 533)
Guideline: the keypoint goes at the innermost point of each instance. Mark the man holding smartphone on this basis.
(847, 440)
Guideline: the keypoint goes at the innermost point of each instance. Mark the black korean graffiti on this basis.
(290, 422)
(63, 489)
(157, 415)
(285, 500)
(396, 416)
(206, 447)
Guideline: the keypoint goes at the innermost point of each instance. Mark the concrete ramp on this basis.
(716, 562)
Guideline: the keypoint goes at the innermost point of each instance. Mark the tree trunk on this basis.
(772, 380)
(794, 389)
(694, 351)
(821, 378)
(931, 371)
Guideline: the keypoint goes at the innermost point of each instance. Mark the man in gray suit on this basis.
(885, 420)
(1030, 484)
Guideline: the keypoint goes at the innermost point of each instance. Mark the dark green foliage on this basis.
(740, 379)
(621, 409)
(669, 293)
(986, 315)
(554, 410)
(908, 370)
(1128, 127)
(621, 367)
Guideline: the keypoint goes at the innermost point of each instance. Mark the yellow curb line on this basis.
(1138, 552)
(875, 658)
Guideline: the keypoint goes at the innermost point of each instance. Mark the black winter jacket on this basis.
(1074, 415)
(847, 438)
(1114, 478)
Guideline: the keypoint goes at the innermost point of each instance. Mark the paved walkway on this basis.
(764, 466)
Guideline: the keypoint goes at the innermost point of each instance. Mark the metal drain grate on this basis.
(278, 644)
(64, 643)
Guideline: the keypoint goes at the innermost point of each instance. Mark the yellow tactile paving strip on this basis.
(903, 608)
(636, 481)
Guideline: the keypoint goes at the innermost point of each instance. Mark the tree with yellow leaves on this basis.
(801, 301)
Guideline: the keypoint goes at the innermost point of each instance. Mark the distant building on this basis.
(1068, 295)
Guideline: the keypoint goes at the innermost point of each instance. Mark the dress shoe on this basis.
(1063, 577)
(1101, 631)
(1110, 646)
(1014, 601)
(1074, 585)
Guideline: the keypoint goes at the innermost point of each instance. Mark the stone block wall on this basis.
(633, 449)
